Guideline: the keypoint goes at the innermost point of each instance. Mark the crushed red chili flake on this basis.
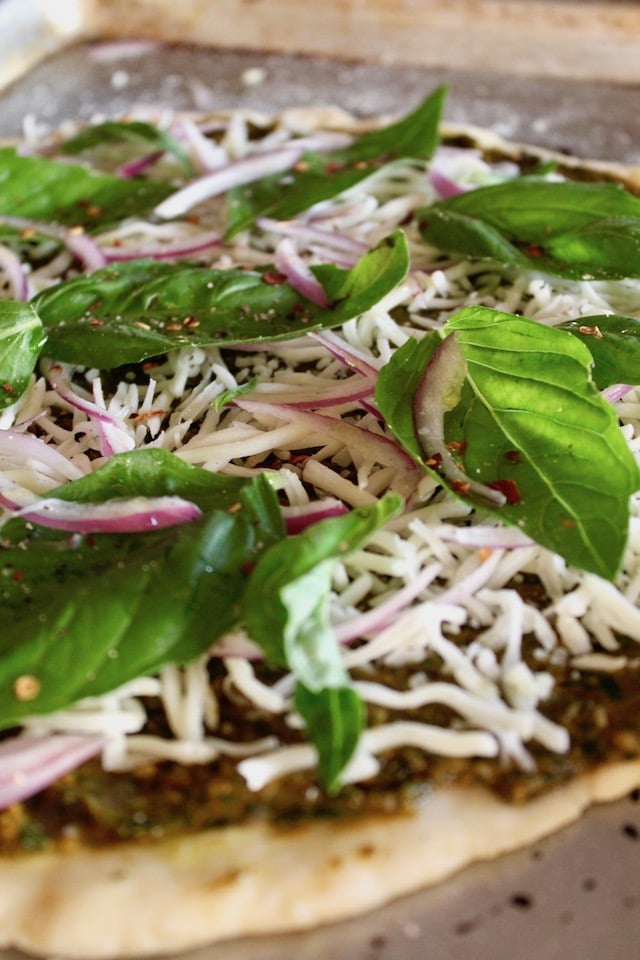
(594, 331)
(534, 250)
(190, 322)
(435, 461)
(7, 387)
(509, 488)
(461, 486)
(513, 456)
(274, 278)
(459, 446)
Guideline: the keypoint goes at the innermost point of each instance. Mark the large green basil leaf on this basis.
(69, 194)
(294, 631)
(530, 421)
(614, 344)
(21, 339)
(128, 312)
(134, 134)
(321, 176)
(83, 615)
(572, 229)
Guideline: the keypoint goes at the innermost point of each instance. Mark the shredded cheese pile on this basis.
(442, 573)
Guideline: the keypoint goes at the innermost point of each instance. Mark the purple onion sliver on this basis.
(136, 515)
(26, 447)
(233, 174)
(297, 518)
(28, 763)
(176, 250)
(298, 273)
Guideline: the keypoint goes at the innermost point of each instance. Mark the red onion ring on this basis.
(298, 273)
(234, 174)
(30, 763)
(133, 515)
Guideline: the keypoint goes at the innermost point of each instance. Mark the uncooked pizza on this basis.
(320, 543)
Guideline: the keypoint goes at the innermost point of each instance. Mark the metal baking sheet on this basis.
(575, 896)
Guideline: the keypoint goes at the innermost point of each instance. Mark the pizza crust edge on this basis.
(178, 894)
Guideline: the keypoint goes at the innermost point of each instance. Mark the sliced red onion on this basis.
(331, 394)
(25, 448)
(234, 174)
(616, 392)
(380, 617)
(290, 263)
(12, 267)
(444, 186)
(307, 233)
(351, 357)
(83, 247)
(30, 763)
(133, 515)
(441, 381)
(175, 250)
(139, 165)
(372, 445)
(14, 497)
(207, 154)
(112, 431)
(297, 518)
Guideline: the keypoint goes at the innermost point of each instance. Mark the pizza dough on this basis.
(130, 901)
(146, 898)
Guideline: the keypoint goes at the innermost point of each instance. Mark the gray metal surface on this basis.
(575, 896)
(590, 119)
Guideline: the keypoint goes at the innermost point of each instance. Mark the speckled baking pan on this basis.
(575, 896)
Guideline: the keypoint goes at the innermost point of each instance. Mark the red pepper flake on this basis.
(190, 322)
(94, 322)
(17, 576)
(7, 387)
(594, 331)
(513, 456)
(147, 415)
(332, 167)
(247, 568)
(26, 687)
(435, 462)
(274, 278)
(234, 508)
(461, 486)
(509, 488)
(457, 446)
(570, 524)
(534, 250)
(173, 326)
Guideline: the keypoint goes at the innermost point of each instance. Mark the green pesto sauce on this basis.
(601, 712)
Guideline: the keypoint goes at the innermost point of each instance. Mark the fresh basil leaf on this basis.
(530, 422)
(294, 630)
(337, 714)
(21, 340)
(135, 133)
(614, 344)
(130, 311)
(571, 229)
(319, 177)
(84, 615)
(49, 190)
